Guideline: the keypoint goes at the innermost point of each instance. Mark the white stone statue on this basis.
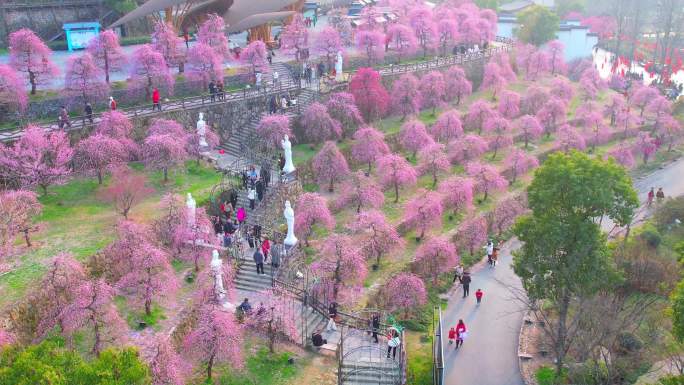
(202, 130)
(192, 208)
(338, 67)
(287, 149)
(217, 270)
(290, 240)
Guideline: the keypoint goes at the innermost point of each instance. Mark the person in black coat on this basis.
(375, 324)
(465, 281)
(89, 112)
(265, 174)
(257, 231)
(259, 186)
(233, 198)
(212, 90)
(281, 162)
(259, 261)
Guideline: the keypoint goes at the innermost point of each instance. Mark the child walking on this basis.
(452, 335)
(478, 294)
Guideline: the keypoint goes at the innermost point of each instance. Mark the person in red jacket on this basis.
(452, 335)
(461, 333)
(112, 103)
(478, 294)
(265, 247)
(155, 99)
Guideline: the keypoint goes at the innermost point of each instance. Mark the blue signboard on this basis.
(79, 34)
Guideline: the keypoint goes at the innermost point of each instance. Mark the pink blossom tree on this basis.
(185, 235)
(164, 150)
(378, 237)
(342, 107)
(341, 269)
(530, 129)
(295, 37)
(533, 100)
(404, 291)
(555, 50)
(642, 97)
(670, 130)
(166, 41)
(318, 125)
(196, 148)
(369, 144)
(255, 57)
(369, 93)
(435, 257)
(505, 214)
(115, 125)
(520, 162)
(523, 54)
(165, 363)
(368, 18)
(329, 165)
(328, 43)
(591, 83)
(360, 191)
(645, 145)
(659, 108)
(539, 63)
(472, 233)
(493, 79)
(499, 129)
(487, 178)
(6, 338)
(153, 278)
(467, 148)
(504, 62)
(623, 154)
(29, 55)
(616, 105)
(562, 89)
(126, 190)
(13, 96)
(83, 79)
(447, 127)
(37, 159)
(420, 19)
(402, 40)
(273, 128)
(406, 96)
(395, 171)
(424, 212)
(413, 136)
(457, 84)
(567, 138)
(478, 113)
(107, 52)
(212, 33)
(433, 90)
(312, 209)
(457, 193)
(372, 43)
(18, 208)
(276, 316)
(149, 69)
(627, 122)
(216, 338)
(99, 153)
(204, 65)
(93, 307)
(447, 33)
(509, 104)
(432, 160)
(552, 114)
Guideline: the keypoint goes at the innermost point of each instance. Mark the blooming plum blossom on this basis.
(447, 33)
(369, 93)
(420, 19)
(499, 129)
(369, 144)
(18, 208)
(99, 153)
(552, 114)
(360, 191)
(255, 57)
(555, 49)
(487, 178)
(328, 43)
(457, 85)
(166, 41)
(432, 159)
(424, 211)
(533, 100)
(466, 148)
(591, 83)
(273, 128)
(432, 90)
(568, 138)
(149, 69)
(435, 257)
(212, 33)
(509, 104)
(126, 190)
(623, 154)
(13, 96)
(562, 89)
(457, 193)
(478, 113)
(107, 52)
(204, 65)
(505, 214)
(406, 96)
(413, 136)
(504, 62)
(395, 171)
(530, 129)
(164, 151)
(372, 43)
(378, 237)
(312, 209)
(84, 80)
(318, 125)
(401, 40)
(276, 316)
(341, 270)
(329, 165)
(645, 145)
(642, 97)
(404, 291)
(342, 107)
(29, 55)
(493, 79)
(520, 162)
(670, 129)
(447, 127)
(472, 233)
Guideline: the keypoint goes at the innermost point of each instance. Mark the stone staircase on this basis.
(370, 373)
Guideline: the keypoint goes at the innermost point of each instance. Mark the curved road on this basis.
(489, 355)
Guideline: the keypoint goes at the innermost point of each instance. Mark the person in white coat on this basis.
(251, 195)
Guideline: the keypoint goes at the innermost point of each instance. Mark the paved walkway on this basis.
(490, 354)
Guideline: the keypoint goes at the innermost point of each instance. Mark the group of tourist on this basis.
(660, 196)
(217, 90)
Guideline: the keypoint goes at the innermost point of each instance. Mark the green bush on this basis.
(263, 368)
(545, 376)
(651, 235)
(133, 40)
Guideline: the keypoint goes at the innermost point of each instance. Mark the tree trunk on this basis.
(527, 140)
(32, 80)
(26, 237)
(99, 177)
(148, 307)
(210, 365)
(396, 192)
(166, 174)
(562, 333)
(98, 339)
(106, 63)
(331, 188)
(486, 192)
(434, 178)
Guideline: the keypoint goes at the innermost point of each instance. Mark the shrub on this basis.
(651, 235)
(545, 376)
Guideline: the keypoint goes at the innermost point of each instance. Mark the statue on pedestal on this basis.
(202, 130)
(290, 240)
(192, 208)
(217, 272)
(338, 67)
(287, 150)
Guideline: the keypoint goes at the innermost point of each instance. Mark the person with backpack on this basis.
(465, 281)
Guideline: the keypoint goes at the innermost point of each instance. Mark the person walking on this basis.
(89, 112)
(495, 256)
(241, 216)
(461, 333)
(257, 231)
(156, 100)
(259, 261)
(245, 306)
(220, 90)
(478, 295)
(265, 248)
(64, 121)
(452, 335)
(458, 273)
(112, 104)
(270, 57)
(259, 186)
(275, 78)
(651, 195)
(257, 82)
(392, 342)
(465, 281)
(490, 249)
(660, 195)
(212, 90)
(375, 326)
(251, 195)
(186, 37)
(332, 314)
